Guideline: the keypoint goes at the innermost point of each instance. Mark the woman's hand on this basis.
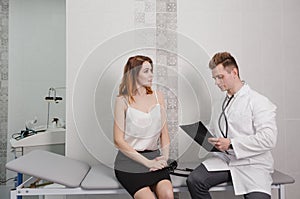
(157, 163)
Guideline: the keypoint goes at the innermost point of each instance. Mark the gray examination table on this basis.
(75, 177)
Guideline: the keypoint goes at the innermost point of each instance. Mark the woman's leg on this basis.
(164, 190)
(144, 193)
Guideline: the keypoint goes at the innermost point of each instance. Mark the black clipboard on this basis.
(200, 134)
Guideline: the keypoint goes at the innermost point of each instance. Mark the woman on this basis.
(139, 130)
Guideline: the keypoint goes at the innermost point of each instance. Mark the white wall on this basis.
(264, 38)
(262, 35)
(89, 25)
(37, 46)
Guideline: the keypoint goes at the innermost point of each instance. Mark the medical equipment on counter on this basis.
(52, 98)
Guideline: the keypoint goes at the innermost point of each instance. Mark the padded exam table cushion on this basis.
(74, 173)
(52, 167)
(100, 177)
(69, 172)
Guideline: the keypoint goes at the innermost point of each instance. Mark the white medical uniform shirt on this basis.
(253, 131)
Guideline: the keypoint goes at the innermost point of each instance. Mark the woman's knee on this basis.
(164, 190)
(167, 194)
(144, 193)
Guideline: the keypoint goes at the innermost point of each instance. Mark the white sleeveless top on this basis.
(142, 130)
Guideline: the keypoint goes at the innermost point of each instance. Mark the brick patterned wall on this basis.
(3, 85)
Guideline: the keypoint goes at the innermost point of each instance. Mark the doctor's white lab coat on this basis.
(253, 132)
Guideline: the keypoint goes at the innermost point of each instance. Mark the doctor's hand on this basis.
(157, 163)
(221, 144)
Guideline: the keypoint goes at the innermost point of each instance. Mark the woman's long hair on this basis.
(132, 68)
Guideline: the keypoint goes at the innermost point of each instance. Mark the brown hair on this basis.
(132, 68)
(224, 58)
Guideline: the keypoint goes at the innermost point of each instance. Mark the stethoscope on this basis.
(223, 114)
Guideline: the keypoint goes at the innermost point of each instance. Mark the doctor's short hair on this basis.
(224, 58)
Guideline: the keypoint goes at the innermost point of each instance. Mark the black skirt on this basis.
(134, 176)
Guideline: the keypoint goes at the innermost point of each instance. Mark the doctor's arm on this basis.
(122, 145)
(265, 136)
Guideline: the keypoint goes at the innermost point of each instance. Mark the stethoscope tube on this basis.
(225, 117)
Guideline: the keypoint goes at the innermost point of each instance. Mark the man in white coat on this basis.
(245, 129)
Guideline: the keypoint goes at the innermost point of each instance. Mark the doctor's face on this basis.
(145, 75)
(223, 78)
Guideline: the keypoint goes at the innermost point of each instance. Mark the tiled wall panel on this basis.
(162, 15)
(3, 85)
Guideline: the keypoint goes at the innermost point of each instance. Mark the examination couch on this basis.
(74, 177)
